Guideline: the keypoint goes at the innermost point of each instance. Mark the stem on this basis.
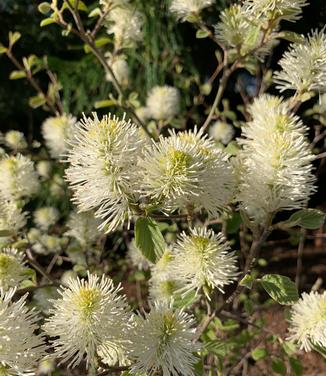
(303, 233)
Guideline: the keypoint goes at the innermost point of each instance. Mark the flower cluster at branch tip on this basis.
(120, 70)
(184, 8)
(45, 217)
(163, 340)
(89, 319)
(57, 131)
(304, 65)
(18, 177)
(12, 218)
(163, 102)
(275, 170)
(83, 227)
(102, 171)
(15, 140)
(221, 132)
(20, 348)
(308, 321)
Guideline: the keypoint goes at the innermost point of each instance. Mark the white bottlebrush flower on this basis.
(163, 285)
(163, 102)
(221, 132)
(308, 321)
(275, 163)
(45, 217)
(102, 172)
(57, 131)
(304, 65)
(289, 10)
(203, 259)
(83, 227)
(185, 8)
(237, 30)
(125, 33)
(137, 259)
(18, 177)
(12, 218)
(15, 140)
(43, 168)
(120, 70)
(89, 319)
(187, 170)
(20, 348)
(12, 268)
(163, 341)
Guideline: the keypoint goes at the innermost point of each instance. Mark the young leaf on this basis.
(310, 219)
(17, 74)
(247, 281)
(280, 288)
(13, 37)
(278, 366)
(149, 239)
(296, 366)
(202, 34)
(47, 21)
(259, 353)
(36, 101)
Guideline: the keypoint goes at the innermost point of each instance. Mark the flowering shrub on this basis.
(184, 191)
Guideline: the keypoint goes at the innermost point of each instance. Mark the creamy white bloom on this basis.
(15, 140)
(185, 8)
(120, 70)
(289, 10)
(275, 163)
(304, 65)
(221, 132)
(45, 217)
(20, 348)
(308, 321)
(12, 268)
(238, 29)
(137, 259)
(57, 131)
(163, 102)
(11, 217)
(126, 24)
(163, 340)
(89, 319)
(18, 177)
(187, 170)
(43, 168)
(83, 227)
(102, 172)
(203, 259)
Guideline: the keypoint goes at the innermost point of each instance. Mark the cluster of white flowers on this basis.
(221, 132)
(308, 321)
(163, 102)
(12, 268)
(18, 177)
(57, 131)
(102, 170)
(89, 319)
(275, 163)
(125, 33)
(45, 217)
(304, 65)
(83, 227)
(185, 8)
(12, 219)
(15, 140)
(187, 170)
(163, 340)
(120, 70)
(20, 348)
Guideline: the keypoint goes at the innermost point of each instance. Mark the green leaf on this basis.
(44, 8)
(17, 74)
(47, 21)
(81, 5)
(5, 233)
(105, 103)
(13, 37)
(259, 353)
(98, 43)
(149, 239)
(37, 101)
(247, 281)
(296, 366)
(3, 49)
(310, 219)
(200, 34)
(233, 223)
(291, 36)
(278, 366)
(280, 288)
